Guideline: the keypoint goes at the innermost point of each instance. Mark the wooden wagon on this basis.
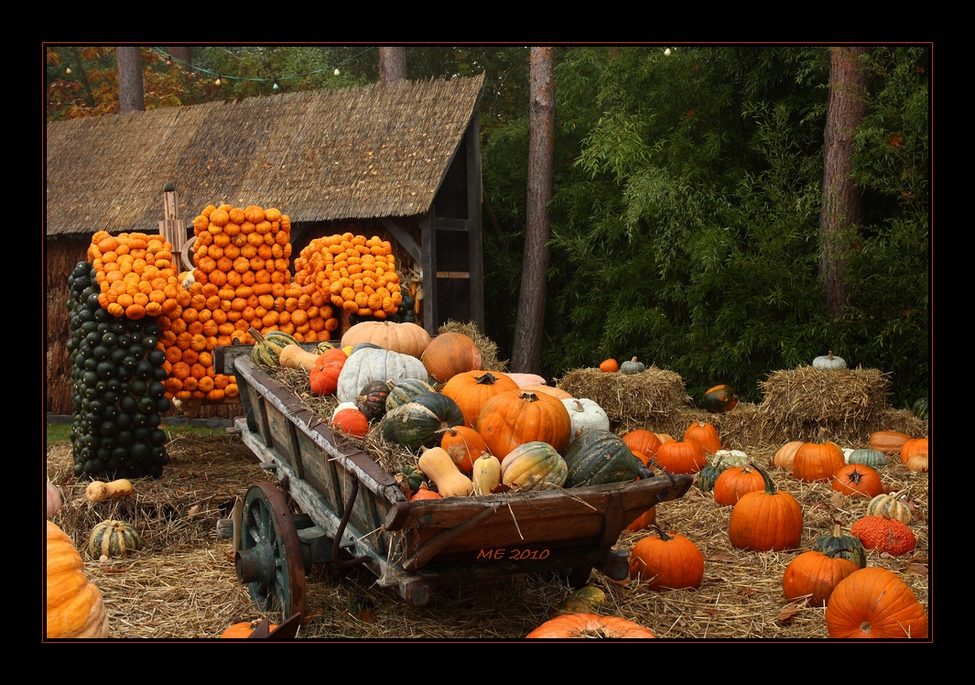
(354, 512)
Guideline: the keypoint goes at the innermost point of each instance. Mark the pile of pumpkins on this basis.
(475, 432)
(860, 601)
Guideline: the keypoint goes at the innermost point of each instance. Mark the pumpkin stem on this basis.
(769, 484)
(661, 533)
(256, 334)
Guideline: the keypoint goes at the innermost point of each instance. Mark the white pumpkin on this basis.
(731, 458)
(375, 364)
(586, 415)
(829, 361)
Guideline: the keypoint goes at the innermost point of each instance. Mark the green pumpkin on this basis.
(632, 367)
(412, 477)
(421, 421)
(921, 408)
(600, 456)
(845, 546)
(372, 400)
(113, 539)
(534, 465)
(405, 390)
(708, 475)
(720, 398)
(868, 457)
(267, 347)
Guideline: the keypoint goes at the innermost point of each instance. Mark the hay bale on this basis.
(651, 396)
(813, 404)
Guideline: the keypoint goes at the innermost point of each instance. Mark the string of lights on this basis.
(218, 78)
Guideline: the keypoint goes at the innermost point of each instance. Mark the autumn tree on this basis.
(842, 209)
(530, 319)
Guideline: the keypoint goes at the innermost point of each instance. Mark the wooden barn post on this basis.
(172, 228)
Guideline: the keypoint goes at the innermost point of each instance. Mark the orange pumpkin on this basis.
(424, 492)
(403, 337)
(324, 375)
(681, 456)
(766, 520)
(857, 479)
(515, 417)
(351, 421)
(643, 442)
(243, 630)
(464, 445)
(589, 626)
(786, 454)
(873, 602)
(817, 461)
(449, 354)
(734, 482)
(667, 561)
(888, 442)
(644, 520)
(914, 447)
(609, 365)
(815, 574)
(704, 433)
(471, 389)
(75, 607)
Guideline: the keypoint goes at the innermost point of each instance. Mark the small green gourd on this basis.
(632, 367)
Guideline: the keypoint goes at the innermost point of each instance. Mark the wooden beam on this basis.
(404, 239)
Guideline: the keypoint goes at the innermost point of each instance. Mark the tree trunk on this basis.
(392, 65)
(842, 203)
(183, 57)
(131, 91)
(526, 354)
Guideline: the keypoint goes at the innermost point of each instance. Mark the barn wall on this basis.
(60, 257)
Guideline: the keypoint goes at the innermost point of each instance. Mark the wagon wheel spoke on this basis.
(270, 561)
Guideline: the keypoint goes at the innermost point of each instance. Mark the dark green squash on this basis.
(421, 421)
(843, 545)
(410, 479)
(404, 390)
(707, 476)
(267, 347)
(372, 400)
(720, 398)
(600, 456)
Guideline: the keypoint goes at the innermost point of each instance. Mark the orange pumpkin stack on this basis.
(357, 275)
(133, 271)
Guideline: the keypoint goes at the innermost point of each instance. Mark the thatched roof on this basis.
(353, 153)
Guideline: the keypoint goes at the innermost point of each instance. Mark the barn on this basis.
(399, 161)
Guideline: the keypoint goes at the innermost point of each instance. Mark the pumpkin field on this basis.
(734, 574)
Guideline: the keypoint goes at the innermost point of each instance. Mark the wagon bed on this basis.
(354, 512)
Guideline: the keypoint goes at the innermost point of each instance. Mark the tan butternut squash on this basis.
(486, 474)
(437, 465)
(296, 357)
(99, 491)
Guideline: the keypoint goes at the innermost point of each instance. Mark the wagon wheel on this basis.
(269, 560)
